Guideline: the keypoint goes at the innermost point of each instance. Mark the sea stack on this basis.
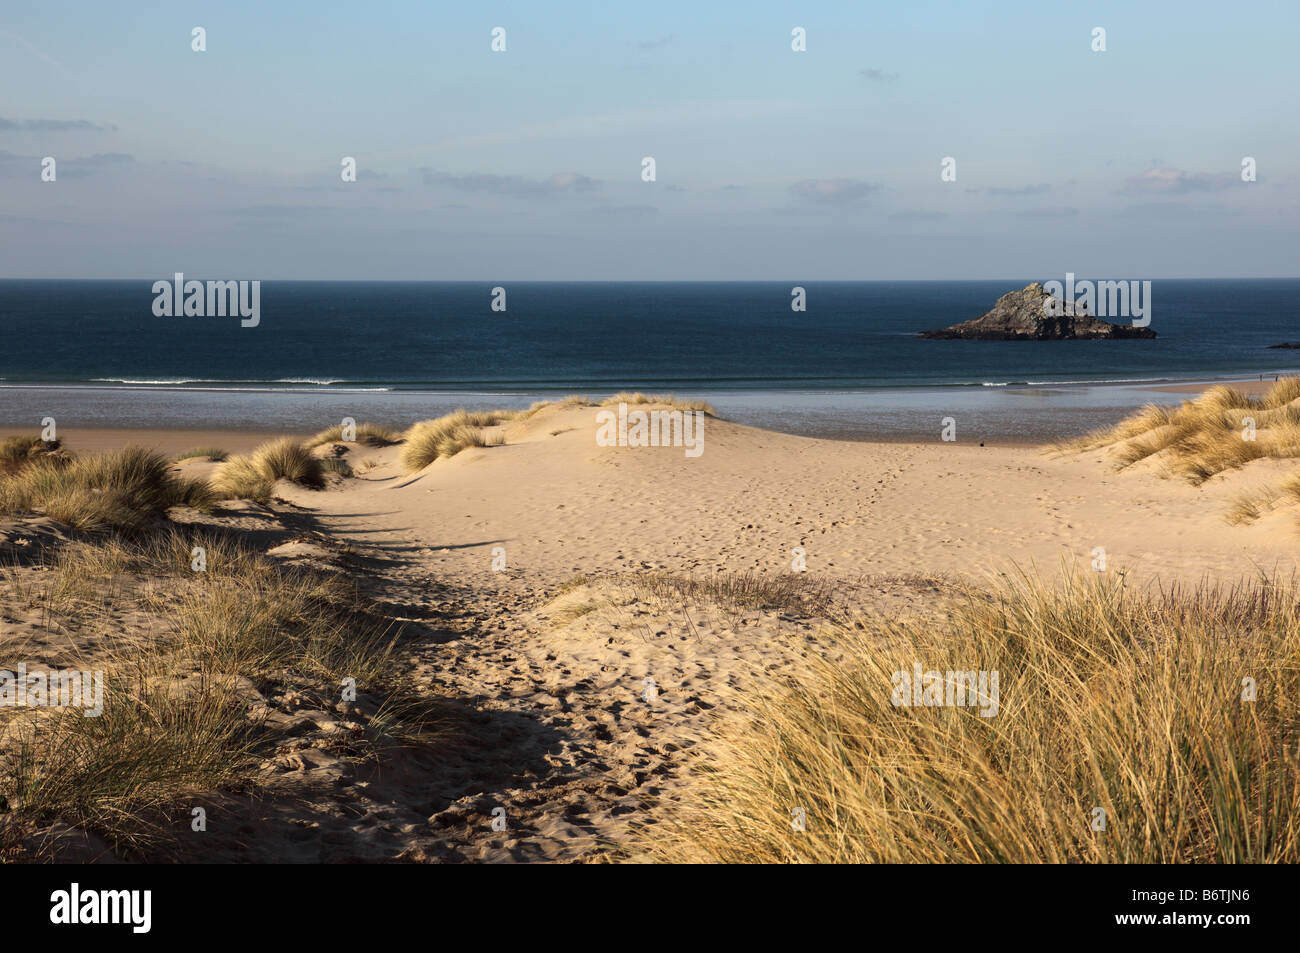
(1025, 315)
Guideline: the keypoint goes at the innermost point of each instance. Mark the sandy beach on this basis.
(539, 583)
(711, 436)
(856, 508)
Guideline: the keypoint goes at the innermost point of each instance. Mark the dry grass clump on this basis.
(573, 611)
(625, 397)
(1289, 491)
(666, 399)
(446, 436)
(287, 459)
(240, 479)
(124, 490)
(76, 578)
(1221, 430)
(126, 773)
(740, 590)
(1208, 435)
(565, 403)
(370, 435)
(430, 440)
(1251, 506)
(337, 466)
(482, 418)
(17, 452)
(253, 477)
(279, 623)
(184, 705)
(212, 454)
(1126, 700)
(462, 438)
(715, 603)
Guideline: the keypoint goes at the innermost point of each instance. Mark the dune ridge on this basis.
(586, 619)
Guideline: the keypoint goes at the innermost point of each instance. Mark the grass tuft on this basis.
(17, 452)
(784, 592)
(1109, 697)
(431, 440)
(669, 400)
(212, 454)
(253, 477)
(186, 698)
(370, 435)
(1221, 430)
(123, 490)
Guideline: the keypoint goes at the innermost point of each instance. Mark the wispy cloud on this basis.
(1166, 181)
(30, 48)
(289, 212)
(89, 165)
(877, 75)
(918, 216)
(833, 190)
(626, 209)
(71, 168)
(1166, 211)
(657, 43)
(1038, 189)
(514, 185)
(1044, 214)
(635, 119)
(54, 125)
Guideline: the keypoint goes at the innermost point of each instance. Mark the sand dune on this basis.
(558, 504)
(886, 524)
(584, 684)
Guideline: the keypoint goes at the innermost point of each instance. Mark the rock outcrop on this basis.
(1026, 316)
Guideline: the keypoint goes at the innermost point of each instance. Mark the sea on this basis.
(94, 353)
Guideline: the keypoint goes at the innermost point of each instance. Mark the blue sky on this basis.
(771, 163)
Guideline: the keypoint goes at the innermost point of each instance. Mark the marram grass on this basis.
(370, 435)
(125, 490)
(180, 724)
(252, 477)
(1220, 430)
(1129, 701)
(446, 436)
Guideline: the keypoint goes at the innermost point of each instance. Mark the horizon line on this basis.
(598, 281)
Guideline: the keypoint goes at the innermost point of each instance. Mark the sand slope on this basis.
(580, 688)
(561, 505)
(570, 745)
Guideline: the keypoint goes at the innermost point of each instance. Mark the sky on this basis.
(770, 163)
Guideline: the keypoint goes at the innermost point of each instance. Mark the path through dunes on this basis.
(559, 505)
(566, 739)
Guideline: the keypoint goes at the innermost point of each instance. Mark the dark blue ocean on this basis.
(565, 336)
(330, 343)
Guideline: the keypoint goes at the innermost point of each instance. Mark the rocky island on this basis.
(1024, 316)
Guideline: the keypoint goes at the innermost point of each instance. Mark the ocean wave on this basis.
(214, 380)
(1116, 380)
